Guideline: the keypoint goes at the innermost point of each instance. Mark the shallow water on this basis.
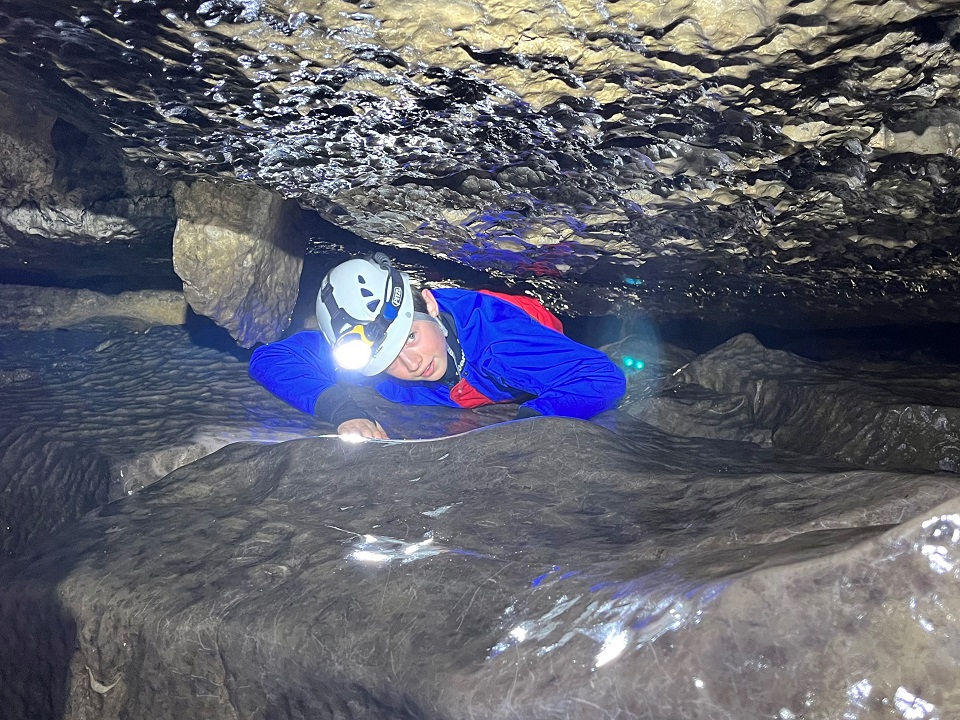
(651, 564)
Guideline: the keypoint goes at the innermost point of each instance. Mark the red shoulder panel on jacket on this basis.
(467, 396)
(532, 307)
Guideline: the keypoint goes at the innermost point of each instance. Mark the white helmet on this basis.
(365, 311)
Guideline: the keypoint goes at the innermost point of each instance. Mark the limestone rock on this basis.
(895, 415)
(529, 569)
(61, 184)
(39, 308)
(523, 568)
(96, 412)
(27, 156)
(45, 480)
(240, 256)
(693, 158)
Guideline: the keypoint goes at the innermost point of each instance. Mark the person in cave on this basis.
(452, 347)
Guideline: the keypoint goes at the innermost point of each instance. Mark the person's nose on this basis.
(409, 359)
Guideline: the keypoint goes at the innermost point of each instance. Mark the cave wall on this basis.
(61, 184)
(680, 159)
(74, 210)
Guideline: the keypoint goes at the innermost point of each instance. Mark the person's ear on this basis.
(433, 309)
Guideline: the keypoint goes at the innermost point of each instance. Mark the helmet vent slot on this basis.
(366, 293)
(361, 280)
(372, 305)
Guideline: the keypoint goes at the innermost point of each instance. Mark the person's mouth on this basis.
(428, 371)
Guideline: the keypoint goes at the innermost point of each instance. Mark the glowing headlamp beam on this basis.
(353, 349)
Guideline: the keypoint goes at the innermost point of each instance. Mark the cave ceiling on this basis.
(686, 155)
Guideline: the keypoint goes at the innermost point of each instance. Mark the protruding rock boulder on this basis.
(240, 257)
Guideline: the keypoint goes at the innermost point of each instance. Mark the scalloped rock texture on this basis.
(540, 568)
(694, 157)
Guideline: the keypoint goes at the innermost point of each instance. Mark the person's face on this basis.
(424, 355)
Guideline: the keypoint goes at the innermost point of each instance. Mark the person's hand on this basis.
(363, 428)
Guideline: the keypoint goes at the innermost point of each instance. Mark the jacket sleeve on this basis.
(568, 379)
(299, 370)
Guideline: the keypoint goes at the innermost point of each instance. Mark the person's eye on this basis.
(411, 337)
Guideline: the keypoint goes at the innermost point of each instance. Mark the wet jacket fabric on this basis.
(508, 357)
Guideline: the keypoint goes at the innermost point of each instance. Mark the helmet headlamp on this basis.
(354, 349)
(358, 341)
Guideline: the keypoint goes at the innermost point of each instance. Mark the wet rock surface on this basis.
(98, 412)
(28, 307)
(752, 535)
(250, 564)
(64, 186)
(528, 569)
(698, 158)
(880, 416)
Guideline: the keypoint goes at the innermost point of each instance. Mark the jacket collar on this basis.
(455, 368)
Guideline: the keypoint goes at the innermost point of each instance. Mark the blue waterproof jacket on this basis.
(508, 356)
